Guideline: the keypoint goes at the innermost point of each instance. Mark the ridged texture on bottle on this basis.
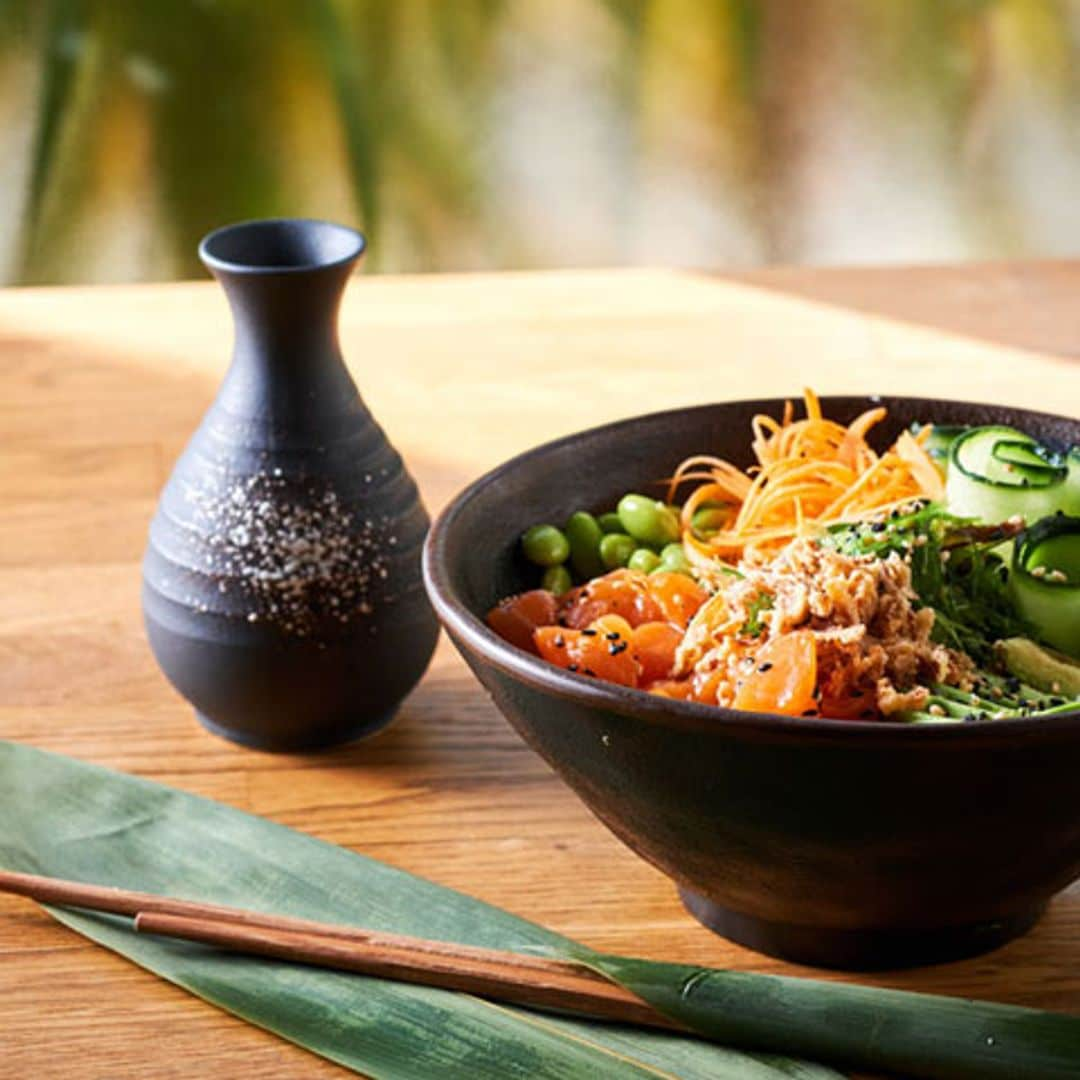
(281, 583)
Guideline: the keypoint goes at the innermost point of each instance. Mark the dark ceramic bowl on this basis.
(836, 843)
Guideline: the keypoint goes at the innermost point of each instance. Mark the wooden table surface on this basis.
(99, 389)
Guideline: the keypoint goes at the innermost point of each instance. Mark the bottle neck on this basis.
(287, 371)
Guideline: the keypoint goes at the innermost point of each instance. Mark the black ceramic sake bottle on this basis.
(281, 582)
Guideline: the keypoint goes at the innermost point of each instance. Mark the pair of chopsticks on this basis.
(561, 986)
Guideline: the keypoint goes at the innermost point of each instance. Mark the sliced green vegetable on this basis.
(1045, 669)
(990, 484)
(1045, 581)
(1029, 460)
(974, 451)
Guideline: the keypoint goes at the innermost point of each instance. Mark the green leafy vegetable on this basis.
(69, 819)
(955, 569)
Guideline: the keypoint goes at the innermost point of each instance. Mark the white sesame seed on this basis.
(290, 555)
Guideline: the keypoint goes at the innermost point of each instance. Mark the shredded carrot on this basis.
(810, 473)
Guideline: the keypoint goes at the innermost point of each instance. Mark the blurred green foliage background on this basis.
(467, 134)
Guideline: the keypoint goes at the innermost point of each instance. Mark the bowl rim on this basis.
(470, 631)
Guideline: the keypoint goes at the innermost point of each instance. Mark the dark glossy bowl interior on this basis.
(848, 844)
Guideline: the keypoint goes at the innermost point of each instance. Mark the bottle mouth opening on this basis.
(280, 245)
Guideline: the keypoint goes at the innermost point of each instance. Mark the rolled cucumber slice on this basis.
(1045, 581)
(998, 472)
(1029, 460)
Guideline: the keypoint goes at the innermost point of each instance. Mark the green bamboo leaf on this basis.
(862, 1026)
(69, 819)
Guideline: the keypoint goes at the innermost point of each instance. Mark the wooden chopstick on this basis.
(523, 980)
(497, 975)
(47, 890)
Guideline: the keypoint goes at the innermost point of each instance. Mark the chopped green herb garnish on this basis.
(755, 625)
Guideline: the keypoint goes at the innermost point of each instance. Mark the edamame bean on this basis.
(673, 558)
(610, 522)
(662, 569)
(584, 535)
(644, 560)
(648, 521)
(557, 580)
(545, 545)
(616, 549)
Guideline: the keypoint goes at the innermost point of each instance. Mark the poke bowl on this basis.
(852, 843)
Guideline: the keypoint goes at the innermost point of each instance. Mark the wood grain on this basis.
(99, 389)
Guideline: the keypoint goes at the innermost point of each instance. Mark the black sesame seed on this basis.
(560, 641)
(588, 633)
(810, 712)
(571, 667)
(613, 636)
(614, 650)
(765, 667)
(589, 671)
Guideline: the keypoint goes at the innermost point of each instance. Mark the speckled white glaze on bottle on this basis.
(281, 582)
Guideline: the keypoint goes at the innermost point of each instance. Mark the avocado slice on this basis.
(1040, 667)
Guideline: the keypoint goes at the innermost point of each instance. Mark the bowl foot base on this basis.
(323, 739)
(857, 950)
